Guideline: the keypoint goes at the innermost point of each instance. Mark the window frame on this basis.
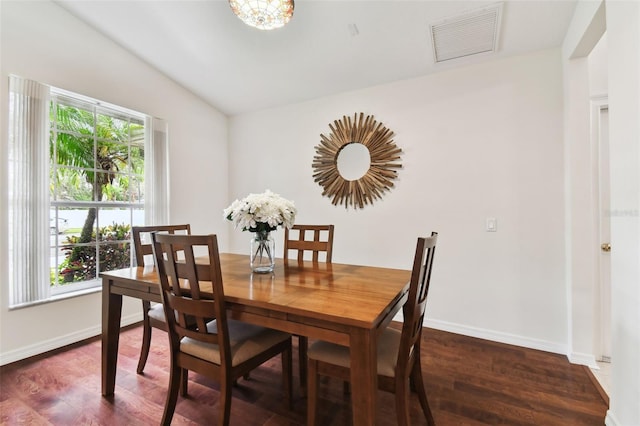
(66, 98)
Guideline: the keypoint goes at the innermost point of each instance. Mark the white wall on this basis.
(480, 141)
(599, 69)
(621, 19)
(41, 41)
(623, 36)
(582, 241)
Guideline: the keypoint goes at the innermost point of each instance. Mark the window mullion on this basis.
(116, 141)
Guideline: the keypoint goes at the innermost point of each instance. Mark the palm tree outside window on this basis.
(106, 172)
(96, 188)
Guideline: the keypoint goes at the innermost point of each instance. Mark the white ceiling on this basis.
(204, 47)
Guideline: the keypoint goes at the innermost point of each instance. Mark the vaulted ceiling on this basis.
(328, 47)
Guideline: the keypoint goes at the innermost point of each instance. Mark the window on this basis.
(81, 174)
(96, 188)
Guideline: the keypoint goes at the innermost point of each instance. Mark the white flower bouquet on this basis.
(261, 213)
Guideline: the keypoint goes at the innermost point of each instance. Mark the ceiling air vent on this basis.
(469, 34)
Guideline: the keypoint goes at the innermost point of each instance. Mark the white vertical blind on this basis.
(28, 191)
(156, 172)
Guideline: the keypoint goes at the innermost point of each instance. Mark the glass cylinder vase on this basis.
(262, 254)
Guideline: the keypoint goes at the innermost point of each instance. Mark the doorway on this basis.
(602, 189)
(601, 134)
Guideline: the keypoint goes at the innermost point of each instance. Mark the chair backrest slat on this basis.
(316, 245)
(142, 238)
(192, 290)
(415, 306)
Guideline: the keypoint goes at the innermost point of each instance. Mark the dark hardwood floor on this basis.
(469, 382)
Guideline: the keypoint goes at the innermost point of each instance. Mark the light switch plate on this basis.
(492, 224)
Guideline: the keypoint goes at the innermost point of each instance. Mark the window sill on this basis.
(59, 297)
(75, 293)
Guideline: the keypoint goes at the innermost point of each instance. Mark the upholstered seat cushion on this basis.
(157, 312)
(388, 346)
(246, 340)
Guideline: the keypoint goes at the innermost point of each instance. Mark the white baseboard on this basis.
(583, 359)
(61, 341)
(610, 419)
(496, 336)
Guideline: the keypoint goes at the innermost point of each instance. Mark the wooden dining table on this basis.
(339, 303)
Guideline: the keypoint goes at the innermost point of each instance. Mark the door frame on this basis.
(602, 308)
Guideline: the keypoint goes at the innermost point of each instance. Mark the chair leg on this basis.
(312, 392)
(172, 395)
(287, 376)
(303, 343)
(402, 400)
(146, 337)
(184, 379)
(224, 413)
(418, 384)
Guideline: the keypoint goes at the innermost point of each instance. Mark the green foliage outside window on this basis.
(114, 253)
(97, 156)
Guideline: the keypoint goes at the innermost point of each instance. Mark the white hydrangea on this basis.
(261, 212)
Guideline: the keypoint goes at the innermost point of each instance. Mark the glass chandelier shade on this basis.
(263, 14)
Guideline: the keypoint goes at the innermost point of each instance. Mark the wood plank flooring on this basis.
(469, 382)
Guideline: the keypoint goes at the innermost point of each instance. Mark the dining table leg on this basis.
(111, 313)
(364, 377)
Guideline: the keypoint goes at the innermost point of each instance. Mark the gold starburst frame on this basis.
(384, 153)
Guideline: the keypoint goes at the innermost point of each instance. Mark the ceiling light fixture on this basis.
(263, 14)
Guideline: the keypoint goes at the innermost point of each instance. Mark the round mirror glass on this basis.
(354, 161)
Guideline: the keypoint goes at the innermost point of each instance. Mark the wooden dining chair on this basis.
(399, 367)
(311, 238)
(222, 349)
(315, 239)
(152, 315)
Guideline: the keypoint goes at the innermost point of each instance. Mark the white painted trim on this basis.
(583, 359)
(610, 419)
(496, 336)
(601, 334)
(61, 341)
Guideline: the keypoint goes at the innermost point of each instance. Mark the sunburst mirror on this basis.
(349, 174)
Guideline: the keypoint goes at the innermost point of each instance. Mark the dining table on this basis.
(339, 303)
